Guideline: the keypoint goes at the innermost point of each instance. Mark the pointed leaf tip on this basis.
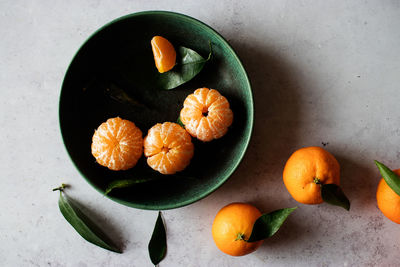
(268, 224)
(390, 177)
(158, 242)
(190, 64)
(83, 225)
(334, 195)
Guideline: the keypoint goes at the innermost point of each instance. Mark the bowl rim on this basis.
(251, 117)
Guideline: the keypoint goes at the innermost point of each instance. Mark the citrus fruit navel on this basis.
(305, 171)
(206, 114)
(232, 226)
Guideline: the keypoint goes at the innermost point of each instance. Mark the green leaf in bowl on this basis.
(391, 178)
(190, 64)
(179, 121)
(125, 183)
(268, 224)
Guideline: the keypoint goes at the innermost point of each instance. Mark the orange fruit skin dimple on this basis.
(117, 144)
(303, 167)
(206, 114)
(168, 148)
(233, 220)
(388, 201)
(164, 54)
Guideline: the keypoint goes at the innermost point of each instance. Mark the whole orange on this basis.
(164, 54)
(232, 226)
(305, 171)
(388, 201)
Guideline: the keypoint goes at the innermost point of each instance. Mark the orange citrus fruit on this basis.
(206, 114)
(117, 144)
(388, 201)
(232, 226)
(164, 53)
(305, 171)
(168, 148)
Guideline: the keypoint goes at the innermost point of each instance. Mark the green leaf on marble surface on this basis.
(82, 224)
(158, 242)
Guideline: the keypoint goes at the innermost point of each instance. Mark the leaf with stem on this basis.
(190, 63)
(82, 224)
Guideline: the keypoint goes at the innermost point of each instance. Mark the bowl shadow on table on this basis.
(277, 93)
(359, 182)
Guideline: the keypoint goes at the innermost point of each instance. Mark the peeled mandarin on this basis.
(117, 144)
(206, 114)
(168, 148)
(164, 54)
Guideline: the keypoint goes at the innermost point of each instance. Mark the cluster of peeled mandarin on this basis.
(118, 144)
(311, 174)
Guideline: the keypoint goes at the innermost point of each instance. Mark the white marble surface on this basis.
(322, 71)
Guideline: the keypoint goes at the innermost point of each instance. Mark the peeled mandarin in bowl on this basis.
(164, 54)
(117, 144)
(168, 148)
(206, 114)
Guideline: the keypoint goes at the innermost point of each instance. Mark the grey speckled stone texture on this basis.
(322, 72)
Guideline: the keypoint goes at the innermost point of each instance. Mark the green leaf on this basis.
(158, 242)
(268, 224)
(189, 65)
(83, 225)
(391, 178)
(180, 122)
(124, 183)
(333, 194)
(119, 95)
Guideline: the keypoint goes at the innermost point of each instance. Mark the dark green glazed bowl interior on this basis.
(119, 56)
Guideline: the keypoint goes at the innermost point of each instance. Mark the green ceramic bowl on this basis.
(119, 56)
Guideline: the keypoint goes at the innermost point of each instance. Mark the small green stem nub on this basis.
(61, 188)
(240, 236)
(317, 181)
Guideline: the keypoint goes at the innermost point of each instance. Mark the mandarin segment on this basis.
(206, 114)
(117, 144)
(168, 148)
(388, 201)
(164, 54)
(233, 225)
(306, 169)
